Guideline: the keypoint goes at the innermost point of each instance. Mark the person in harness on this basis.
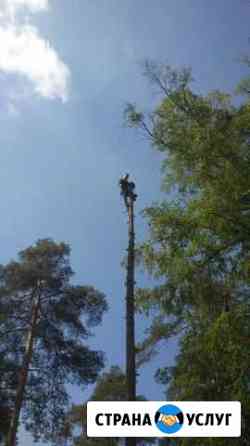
(127, 189)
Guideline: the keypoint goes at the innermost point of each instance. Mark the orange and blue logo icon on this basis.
(169, 419)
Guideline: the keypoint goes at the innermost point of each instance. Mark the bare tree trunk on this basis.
(23, 375)
(130, 315)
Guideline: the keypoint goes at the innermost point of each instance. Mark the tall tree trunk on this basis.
(130, 314)
(23, 374)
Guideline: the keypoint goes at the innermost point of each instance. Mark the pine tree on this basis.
(44, 332)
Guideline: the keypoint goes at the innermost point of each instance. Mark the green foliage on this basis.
(132, 117)
(212, 365)
(199, 240)
(244, 86)
(61, 354)
(110, 386)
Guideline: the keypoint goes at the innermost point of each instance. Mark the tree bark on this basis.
(130, 314)
(23, 374)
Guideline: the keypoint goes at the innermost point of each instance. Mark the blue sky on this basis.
(63, 142)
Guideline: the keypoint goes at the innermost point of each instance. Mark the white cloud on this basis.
(32, 5)
(25, 53)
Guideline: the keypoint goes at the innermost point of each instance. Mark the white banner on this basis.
(163, 419)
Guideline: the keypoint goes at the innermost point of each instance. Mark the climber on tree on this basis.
(127, 189)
